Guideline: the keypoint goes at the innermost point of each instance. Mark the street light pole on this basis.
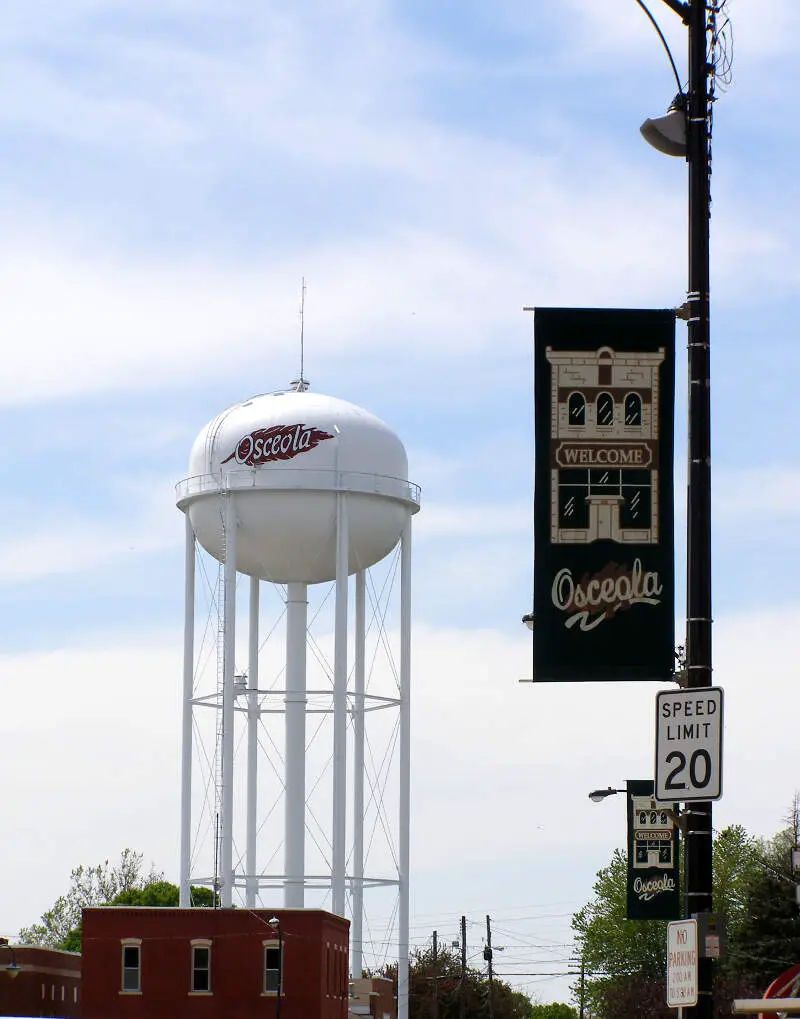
(487, 954)
(698, 879)
(694, 140)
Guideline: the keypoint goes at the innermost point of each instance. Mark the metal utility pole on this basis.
(487, 954)
(462, 988)
(435, 975)
(698, 568)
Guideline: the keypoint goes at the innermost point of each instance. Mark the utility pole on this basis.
(462, 988)
(581, 973)
(698, 567)
(435, 975)
(487, 954)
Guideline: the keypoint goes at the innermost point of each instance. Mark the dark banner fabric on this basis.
(604, 573)
(653, 856)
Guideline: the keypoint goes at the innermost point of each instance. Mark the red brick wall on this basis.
(385, 1003)
(45, 985)
(312, 939)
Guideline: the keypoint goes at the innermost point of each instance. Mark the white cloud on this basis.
(105, 719)
(89, 743)
(765, 28)
(464, 228)
(64, 543)
(85, 324)
(52, 105)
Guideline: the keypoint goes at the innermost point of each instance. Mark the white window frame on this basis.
(268, 945)
(195, 944)
(137, 944)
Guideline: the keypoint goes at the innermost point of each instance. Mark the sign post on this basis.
(682, 964)
(689, 744)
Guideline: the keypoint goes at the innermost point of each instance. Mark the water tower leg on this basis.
(405, 772)
(228, 694)
(186, 726)
(295, 707)
(251, 887)
(357, 931)
(339, 829)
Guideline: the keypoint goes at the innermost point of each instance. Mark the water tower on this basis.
(298, 492)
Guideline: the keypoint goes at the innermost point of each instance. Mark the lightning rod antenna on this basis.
(300, 384)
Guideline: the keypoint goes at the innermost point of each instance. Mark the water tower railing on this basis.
(372, 702)
(297, 478)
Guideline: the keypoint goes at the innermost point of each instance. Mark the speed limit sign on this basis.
(689, 744)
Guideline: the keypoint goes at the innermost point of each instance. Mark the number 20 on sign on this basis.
(689, 744)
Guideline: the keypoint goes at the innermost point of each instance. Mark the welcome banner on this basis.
(604, 394)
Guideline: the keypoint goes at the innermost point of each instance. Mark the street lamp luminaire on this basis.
(598, 795)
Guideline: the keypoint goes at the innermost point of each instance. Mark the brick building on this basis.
(604, 443)
(373, 997)
(149, 963)
(41, 982)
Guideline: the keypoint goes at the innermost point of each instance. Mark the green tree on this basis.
(122, 884)
(625, 959)
(767, 940)
(610, 943)
(442, 977)
(162, 893)
(89, 886)
(553, 1011)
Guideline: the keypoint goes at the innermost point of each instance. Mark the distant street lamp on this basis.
(598, 795)
(275, 924)
(12, 969)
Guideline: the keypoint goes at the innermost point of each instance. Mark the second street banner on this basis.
(653, 856)
(603, 506)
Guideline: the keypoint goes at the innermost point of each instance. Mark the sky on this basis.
(170, 172)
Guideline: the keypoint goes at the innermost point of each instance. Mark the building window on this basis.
(272, 967)
(633, 409)
(131, 966)
(605, 410)
(201, 967)
(576, 409)
(604, 365)
(637, 508)
(573, 496)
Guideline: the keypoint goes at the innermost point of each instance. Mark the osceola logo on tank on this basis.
(280, 442)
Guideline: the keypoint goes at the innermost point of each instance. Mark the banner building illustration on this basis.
(653, 887)
(603, 504)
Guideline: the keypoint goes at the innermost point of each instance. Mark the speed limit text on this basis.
(688, 718)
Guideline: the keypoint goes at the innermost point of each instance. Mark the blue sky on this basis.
(169, 173)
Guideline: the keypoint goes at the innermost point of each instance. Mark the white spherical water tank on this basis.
(286, 456)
